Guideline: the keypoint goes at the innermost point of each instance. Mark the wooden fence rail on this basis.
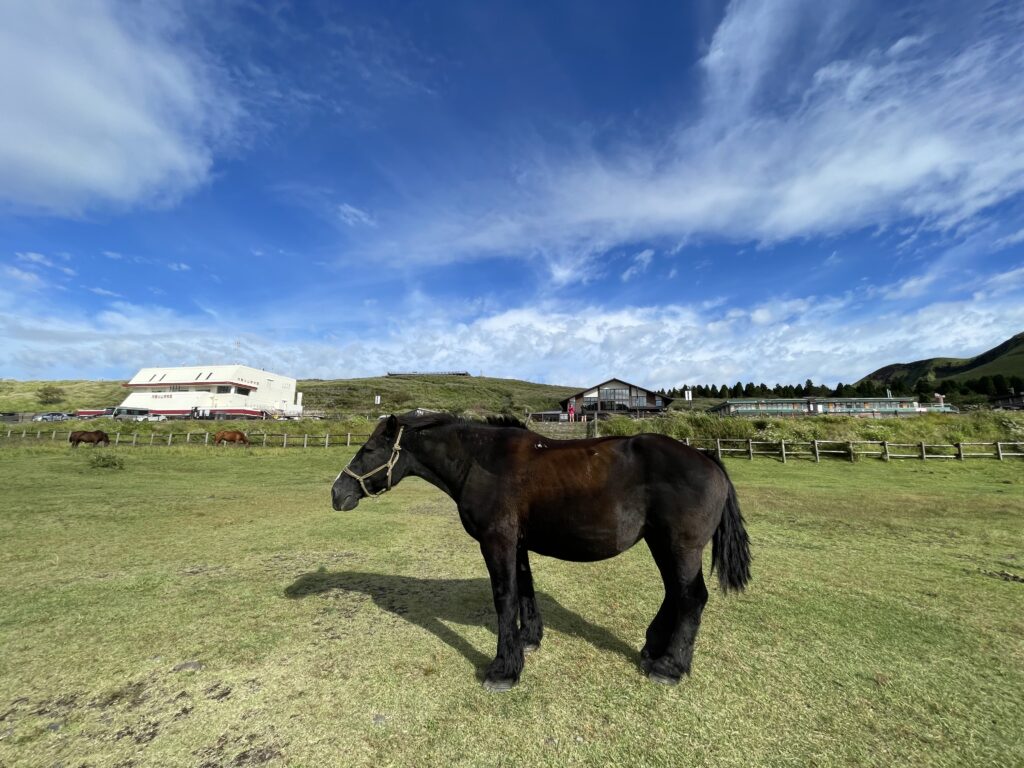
(783, 450)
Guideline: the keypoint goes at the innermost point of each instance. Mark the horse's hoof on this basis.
(498, 686)
(531, 647)
(660, 679)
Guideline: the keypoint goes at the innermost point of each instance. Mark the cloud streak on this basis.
(924, 130)
(113, 110)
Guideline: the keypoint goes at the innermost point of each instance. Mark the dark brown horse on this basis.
(230, 436)
(95, 437)
(519, 492)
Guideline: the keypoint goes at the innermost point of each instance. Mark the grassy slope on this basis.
(1006, 358)
(473, 394)
(20, 396)
(875, 632)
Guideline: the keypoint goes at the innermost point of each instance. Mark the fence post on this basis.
(171, 435)
(348, 439)
(718, 447)
(850, 446)
(305, 440)
(117, 438)
(54, 435)
(999, 450)
(750, 448)
(817, 458)
(960, 451)
(686, 441)
(23, 433)
(39, 434)
(264, 439)
(885, 450)
(924, 451)
(152, 437)
(782, 445)
(188, 438)
(285, 443)
(327, 440)
(135, 438)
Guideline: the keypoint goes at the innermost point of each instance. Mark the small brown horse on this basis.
(96, 437)
(230, 436)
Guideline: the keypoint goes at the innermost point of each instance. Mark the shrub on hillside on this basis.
(106, 461)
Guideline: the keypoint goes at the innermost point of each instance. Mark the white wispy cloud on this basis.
(105, 105)
(353, 216)
(178, 266)
(31, 257)
(104, 292)
(1012, 239)
(921, 129)
(640, 264)
(24, 277)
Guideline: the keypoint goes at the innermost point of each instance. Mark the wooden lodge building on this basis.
(613, 397)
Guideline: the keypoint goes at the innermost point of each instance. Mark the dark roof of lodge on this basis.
(664, 398)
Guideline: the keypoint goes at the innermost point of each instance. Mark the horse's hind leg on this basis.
(671, 636)
(531, 628)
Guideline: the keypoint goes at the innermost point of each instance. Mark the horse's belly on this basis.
(582, 535)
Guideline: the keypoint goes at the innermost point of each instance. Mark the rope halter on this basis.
(388, 465)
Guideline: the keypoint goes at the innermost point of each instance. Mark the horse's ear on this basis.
(391, 427)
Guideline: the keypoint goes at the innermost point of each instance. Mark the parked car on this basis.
(51, 416)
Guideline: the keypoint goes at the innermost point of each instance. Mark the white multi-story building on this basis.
(236, 391)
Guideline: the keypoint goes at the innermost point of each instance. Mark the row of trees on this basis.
(989, 386)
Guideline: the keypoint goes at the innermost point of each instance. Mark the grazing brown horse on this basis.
(230, 436)
(95, 437)
(519, 492)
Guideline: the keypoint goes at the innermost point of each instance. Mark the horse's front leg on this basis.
(500, 555)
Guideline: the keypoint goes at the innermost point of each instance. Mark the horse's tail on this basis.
(730, 545)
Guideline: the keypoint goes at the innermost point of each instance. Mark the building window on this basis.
(242, 391)
(178, 388)
(223, 390)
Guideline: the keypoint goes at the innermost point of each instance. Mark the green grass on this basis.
(882, 626)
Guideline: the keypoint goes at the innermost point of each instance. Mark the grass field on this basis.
(203, 607)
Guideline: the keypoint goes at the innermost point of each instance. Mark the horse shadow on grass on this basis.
(430, 603)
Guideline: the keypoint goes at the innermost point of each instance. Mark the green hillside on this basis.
(1006, 359)
(22, 396)
(461, 394)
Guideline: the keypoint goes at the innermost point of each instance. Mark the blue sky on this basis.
(560, 192)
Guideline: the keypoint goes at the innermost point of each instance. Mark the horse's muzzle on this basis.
(344, 499)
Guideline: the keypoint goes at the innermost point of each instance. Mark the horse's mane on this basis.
(427, 420)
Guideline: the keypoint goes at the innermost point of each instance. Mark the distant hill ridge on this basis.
(1006, 359)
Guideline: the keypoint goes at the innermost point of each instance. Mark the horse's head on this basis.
(374, 469)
